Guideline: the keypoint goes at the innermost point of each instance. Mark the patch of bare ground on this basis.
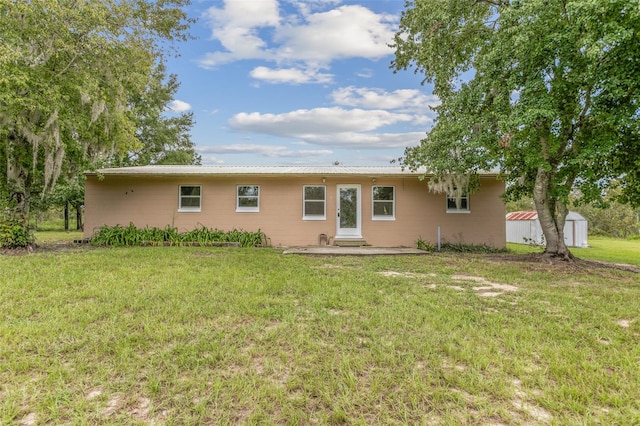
(540, 260)
(519, 402)
(94, 394)
(28, 420)
(141, 410)
(46, 248)
(405, 274)
(624, 323)
(112, 406)
(486, 288)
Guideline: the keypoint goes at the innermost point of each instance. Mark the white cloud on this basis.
(365, 73)
(307, 6)
(245, 14)
(178, 106)
(209, 159)
(305, 122)
(367, 140)
(236, 26)
(422, 120)
(290, 75)
(401, 99)
(333, 127)
(256, 30)
(346, 32)
(264, 150)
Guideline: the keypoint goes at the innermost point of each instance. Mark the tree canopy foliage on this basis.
(163, 138)
(74, 78)
(546, 91)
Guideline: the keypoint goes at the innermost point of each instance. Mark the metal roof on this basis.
(533, 215)
(522, 215)
(258, 170)
(262, 170)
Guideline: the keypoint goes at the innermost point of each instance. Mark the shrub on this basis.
(14, 233)
(458, 247)
(132, 236)
(470, 248)
(425, 245)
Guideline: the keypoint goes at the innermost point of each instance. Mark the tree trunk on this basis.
(18, 177)
(79, 224)
(66, 216)
(552, 216)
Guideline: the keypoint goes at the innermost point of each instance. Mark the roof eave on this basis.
(267, 171)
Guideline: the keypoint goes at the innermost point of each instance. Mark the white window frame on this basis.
(245, 209)
(189, 209)
(305, 216)
(454, 208)
(392, 216)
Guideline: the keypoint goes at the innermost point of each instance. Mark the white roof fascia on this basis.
(258, 170)
(173, 170)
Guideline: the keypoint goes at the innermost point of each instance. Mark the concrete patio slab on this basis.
(353, 251)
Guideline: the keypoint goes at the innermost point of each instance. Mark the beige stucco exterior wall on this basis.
(153, 201)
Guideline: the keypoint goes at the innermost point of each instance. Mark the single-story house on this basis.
(524, 228)
(296, 206)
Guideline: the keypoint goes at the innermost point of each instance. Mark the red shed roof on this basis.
(522, 215)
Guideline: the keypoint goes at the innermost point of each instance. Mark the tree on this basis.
(610, 217)
(546, 91)
(67, 72)
(164, 139)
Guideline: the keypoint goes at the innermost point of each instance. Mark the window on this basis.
(190, 198)
(314, 203)
(463, 207)
(384, 202)
(248, 199)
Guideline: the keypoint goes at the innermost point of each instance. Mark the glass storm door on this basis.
(348, 211)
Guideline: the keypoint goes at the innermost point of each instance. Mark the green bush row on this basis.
(132, 236)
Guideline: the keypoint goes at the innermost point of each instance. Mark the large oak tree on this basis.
(69, 71)
(164, 136)
(546, 91)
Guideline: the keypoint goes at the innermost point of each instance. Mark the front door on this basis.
(348, 212)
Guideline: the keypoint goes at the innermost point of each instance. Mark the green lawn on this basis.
(52, 237)
(614, 250)
(185, 335)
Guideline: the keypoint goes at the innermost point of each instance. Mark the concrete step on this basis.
(351, 242)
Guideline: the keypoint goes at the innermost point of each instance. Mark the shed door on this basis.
(569, 233)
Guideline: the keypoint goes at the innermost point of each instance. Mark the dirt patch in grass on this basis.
(94, 394)
(112, 406)
(61, 246)
(539, 414)
(405, 274)
(487, 288)
(28, 420)
(540, 261)
(624, 323)
(141, 410)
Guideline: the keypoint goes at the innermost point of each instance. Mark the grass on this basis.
(55, 236)
(604, 249)
(186, 335)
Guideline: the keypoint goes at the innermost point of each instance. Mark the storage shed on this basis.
(524, 228)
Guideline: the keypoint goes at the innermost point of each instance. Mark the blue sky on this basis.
(298, 82)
